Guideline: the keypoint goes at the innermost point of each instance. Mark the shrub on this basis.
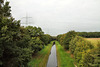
(68, 37)
(91, 58)
(72, 44)
(81, 47)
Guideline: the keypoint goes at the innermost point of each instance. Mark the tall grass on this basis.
(41, 58)
(64, 59)
(94, 41)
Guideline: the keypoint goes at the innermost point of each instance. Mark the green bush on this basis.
(91, 58)
(72, 44)
(46, 39)
(64, 39)
(68, 37)
(80, 47)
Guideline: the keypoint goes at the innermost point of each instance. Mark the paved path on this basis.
(52, 61)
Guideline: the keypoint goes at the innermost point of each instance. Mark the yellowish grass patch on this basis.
(94, 41)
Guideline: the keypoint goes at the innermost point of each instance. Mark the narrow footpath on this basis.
(52, 61)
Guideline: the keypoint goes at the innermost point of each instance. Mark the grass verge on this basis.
(63, 58)
(41, 58)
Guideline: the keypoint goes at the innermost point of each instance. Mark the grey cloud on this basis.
(59, 16)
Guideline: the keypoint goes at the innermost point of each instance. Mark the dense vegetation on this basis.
(85, 54)
(18, 44)
(89, 34)
(64, 39)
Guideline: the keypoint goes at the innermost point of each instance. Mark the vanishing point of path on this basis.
(52, 61)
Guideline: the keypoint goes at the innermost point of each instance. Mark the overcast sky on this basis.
(58, 16)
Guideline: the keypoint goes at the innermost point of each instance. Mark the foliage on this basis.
(83, 50)
(58, 37)
(81, 47)
(85, 54)
(72, 44)
(46, 39)
(91, 58)
(34, 31)
(89, 34)
(66, 38)
(17, 44)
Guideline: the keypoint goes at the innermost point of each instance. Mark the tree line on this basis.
(18, 43)
(89, 34)
(85, 55)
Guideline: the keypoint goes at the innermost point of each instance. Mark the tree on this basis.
(36, 35)
(73, 43)
(46, 39)
(89, 34)
(34, 31)
(11, 53)
(3, 26)
(68, 37)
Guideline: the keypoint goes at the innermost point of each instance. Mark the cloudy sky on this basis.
(58, 16)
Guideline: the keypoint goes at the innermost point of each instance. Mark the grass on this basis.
(41, 58)
(64, 59)
(94, 41)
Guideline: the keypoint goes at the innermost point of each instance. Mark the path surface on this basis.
(52, 61)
